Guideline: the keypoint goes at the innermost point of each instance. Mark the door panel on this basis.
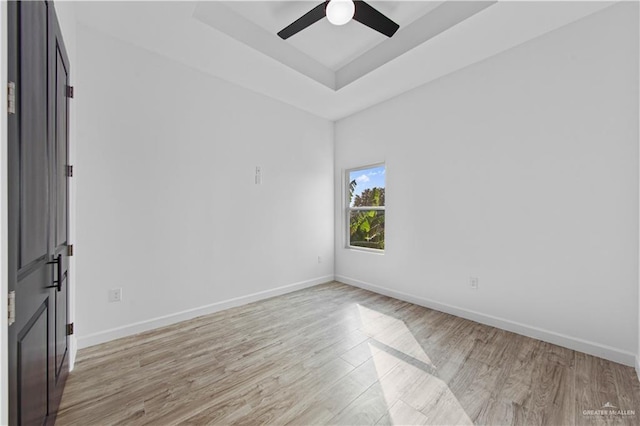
(32, 366)
(59, 80)
(61, 148)
(31, 348)
(37, 206)
(34, 182)
(61, 331)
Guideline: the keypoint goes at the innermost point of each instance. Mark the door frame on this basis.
(4, 212)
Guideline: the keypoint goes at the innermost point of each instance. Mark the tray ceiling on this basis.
(333, 55)
(326, 78)
(332, 46)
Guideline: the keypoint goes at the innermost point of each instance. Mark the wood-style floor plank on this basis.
(335, 354)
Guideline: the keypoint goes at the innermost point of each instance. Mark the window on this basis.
(365, 212)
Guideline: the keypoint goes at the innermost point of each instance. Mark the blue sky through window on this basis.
(368, 178)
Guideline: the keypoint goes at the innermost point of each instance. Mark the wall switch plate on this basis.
(258, 175)
(319, 259)
(115, 295)
(473, 283)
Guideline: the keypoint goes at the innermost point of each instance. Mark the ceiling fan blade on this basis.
(312, 16)
(372, 18)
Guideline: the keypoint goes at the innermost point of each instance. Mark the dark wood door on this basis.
(59, 235)
(38, 358)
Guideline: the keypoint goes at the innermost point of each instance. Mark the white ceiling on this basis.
(334, 56)
(332, 46)
(302, 70)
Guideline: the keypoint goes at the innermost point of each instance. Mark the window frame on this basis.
(348, 209)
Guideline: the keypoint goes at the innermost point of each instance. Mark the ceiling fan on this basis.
(339, 12)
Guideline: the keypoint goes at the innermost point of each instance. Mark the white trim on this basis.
(638, 298)
(366, 249)
(150, 324)
(366, 208)
(575, 343)
(73, 352)
(346, 199)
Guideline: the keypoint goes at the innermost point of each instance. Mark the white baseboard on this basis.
(73, 351)
(591, 348)
(150, 324)
(638, 366)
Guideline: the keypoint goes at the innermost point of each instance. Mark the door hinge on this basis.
(70, 92)
(12, 307)
(70, 250)
(11, 97)
(69, 329)
(69, 171)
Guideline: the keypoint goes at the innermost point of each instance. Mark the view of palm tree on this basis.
(366, 226)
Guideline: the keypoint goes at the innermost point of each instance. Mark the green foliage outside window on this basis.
(366, 227)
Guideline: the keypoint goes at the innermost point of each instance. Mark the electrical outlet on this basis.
(115, 295)
(319, 259)
(473, 283)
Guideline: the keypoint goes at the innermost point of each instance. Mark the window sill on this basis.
(365, 249)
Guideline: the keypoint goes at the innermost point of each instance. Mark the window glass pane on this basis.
(366, 187)
(366, 228)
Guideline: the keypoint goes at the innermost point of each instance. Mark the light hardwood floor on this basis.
(334, 354)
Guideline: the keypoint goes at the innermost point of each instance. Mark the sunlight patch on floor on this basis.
(407, 377)
(392, 333)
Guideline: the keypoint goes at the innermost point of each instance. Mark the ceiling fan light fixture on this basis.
(339, 12)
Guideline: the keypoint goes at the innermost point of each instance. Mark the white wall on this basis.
(521, 170)
(167, 207)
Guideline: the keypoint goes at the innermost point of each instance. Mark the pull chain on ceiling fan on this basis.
(339, 12)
